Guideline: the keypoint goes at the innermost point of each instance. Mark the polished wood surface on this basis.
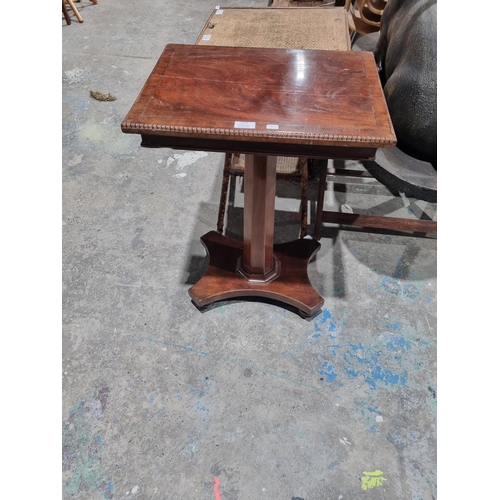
(258, 222)
(291, 286)
(276, 99)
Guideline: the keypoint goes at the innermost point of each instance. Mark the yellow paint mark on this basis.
(372, 479)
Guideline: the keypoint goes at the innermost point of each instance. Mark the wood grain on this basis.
(291, 286)
(258, 223)
(313, 97)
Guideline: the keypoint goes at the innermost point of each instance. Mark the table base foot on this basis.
(222, 280)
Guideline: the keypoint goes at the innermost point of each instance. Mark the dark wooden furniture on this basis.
(264, 103)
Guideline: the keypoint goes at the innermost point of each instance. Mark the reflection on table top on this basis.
(301, 98)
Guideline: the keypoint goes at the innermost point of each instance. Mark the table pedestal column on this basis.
(256, 267)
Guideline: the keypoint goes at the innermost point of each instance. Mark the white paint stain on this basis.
(134, 490)
(379, 418)
(179, 176)
(74, 75)
(185, 159)
(75, 160)
(344, 441)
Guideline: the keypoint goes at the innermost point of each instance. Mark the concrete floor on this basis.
(246, 400)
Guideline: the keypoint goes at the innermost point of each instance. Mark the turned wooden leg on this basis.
(223, 192)
(75, 10)
(321, 200)
(303, 196)
(65, 12)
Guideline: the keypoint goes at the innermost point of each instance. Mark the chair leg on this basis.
(223, 193)
(75, 10)
(303, 196)
(65, 12)
(321, 200)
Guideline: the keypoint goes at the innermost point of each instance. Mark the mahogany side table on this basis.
(263, 103)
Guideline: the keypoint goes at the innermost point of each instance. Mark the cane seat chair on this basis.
(287, 168)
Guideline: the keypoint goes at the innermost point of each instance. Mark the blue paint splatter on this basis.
(411, 291)
(366, 363)
(397, 343)
(387, 376)
(390, 285)
(335, 346)
(328, 371)
(326, 315)
(327, 319)
(333, 465)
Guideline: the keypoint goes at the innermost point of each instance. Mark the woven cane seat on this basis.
(286, 165)
(309, 28)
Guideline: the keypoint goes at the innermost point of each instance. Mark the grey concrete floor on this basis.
(246, 400)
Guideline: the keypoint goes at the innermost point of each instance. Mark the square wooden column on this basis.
(258, 260)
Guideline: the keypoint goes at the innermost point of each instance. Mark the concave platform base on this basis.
(291, 286)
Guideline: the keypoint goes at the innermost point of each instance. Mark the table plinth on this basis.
(256, 267)
(222, 280)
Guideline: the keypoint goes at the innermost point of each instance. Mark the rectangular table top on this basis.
(312, 103)
(278, 28)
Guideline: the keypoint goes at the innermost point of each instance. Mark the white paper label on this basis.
(219, 12)
(244, 124)
(272, 127)
(206, 38)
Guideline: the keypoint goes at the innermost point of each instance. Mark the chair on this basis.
(65, 13)
(397, 171)
(74, 9)
(377, 6)
(287, 168)
(364, 15)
